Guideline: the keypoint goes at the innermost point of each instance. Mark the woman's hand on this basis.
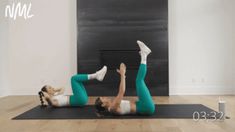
(46, 95)
(122, 88)
(122, 69)
(59, 91)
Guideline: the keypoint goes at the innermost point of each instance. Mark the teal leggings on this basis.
(145, 104)
(79, 97)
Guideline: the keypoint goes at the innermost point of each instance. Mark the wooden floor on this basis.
(11, 106)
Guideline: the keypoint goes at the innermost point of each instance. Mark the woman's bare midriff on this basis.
(133, 107)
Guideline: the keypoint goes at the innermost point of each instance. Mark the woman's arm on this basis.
(48, 98)
(59, 91)
(122, 87)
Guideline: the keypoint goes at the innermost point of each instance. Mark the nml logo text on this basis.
(18, 10)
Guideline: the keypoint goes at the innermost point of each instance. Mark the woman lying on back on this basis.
(144, 104)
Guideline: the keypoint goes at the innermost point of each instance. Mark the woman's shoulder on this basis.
(114, 110)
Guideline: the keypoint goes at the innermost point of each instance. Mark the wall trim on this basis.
(2, 96)
(202, 90)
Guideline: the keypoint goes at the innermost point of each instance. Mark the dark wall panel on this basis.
(107, 34)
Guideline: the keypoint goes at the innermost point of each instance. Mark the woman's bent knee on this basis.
(73, 78)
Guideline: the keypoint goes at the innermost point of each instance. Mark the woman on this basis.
(144, 105)
(55, 97)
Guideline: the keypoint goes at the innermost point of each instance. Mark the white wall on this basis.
(42, 50)
(3, 49)
(201, 46)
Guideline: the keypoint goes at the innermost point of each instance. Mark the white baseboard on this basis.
(202, 90)
(3, 94)
(22, 93)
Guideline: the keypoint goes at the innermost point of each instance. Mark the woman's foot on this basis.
(101, 73)
(143, 48)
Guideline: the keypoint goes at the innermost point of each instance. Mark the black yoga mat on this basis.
(167, 111)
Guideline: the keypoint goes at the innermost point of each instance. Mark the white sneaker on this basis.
(143, 48)
(101, 73)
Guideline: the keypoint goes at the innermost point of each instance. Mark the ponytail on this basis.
(100, 110)
(104, 113)
(40, 93)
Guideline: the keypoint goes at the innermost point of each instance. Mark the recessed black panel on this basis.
(107, 35)
(113, 58)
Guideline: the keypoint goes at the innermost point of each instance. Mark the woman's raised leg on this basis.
(145, 104)
(80, 97)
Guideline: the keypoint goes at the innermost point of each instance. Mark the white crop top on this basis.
(125, 107)
(61, 99)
